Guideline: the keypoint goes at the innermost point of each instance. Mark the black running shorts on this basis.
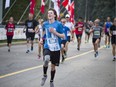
(79, 36)
(63, 42)
(107, 33)
(94, 40)
(9, 39)
(30, 36)
(113, 40)
(54, 56)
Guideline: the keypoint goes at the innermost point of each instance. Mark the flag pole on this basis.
(37, 14)
(23, 14)
(9, 9)
(50, 4)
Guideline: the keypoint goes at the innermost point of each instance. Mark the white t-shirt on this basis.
(70, 26)
(40, 30)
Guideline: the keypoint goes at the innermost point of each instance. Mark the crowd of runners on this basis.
(55, 35)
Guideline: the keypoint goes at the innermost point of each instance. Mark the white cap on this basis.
(67, 16)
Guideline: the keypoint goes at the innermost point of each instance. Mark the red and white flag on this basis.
(42, 8)
(70, 8)
(57, 6)
(72, 12)
(32, 6)
(66, 4)
(7, 3)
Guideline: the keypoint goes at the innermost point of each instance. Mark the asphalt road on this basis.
(81, 68)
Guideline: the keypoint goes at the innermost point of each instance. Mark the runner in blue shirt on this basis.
(66, 30)
(54, 32)
(108, 24)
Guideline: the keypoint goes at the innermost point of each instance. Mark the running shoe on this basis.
(27, 51)
(8, 50)
(108, 46)
(43, 80)
(39, 56)
(31, 48)
(105, 46)
(63, 58)
(86, 41)
(78, 49)
(65, 54)
(96, 54)
(51, 84)
(114, 59)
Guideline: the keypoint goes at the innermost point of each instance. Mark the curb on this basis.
(13, 43)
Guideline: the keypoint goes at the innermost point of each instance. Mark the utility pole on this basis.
(86, 10)
(1, 10)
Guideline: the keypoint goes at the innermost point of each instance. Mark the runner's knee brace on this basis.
(46, 60)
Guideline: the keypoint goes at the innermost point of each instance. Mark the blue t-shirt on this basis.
(108, 25)
(66, 30)
(52, 42)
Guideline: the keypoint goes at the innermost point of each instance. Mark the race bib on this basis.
(79, 29)
(68, 33)
(10, 30)
(114, 32)
(87, 30)
(53, 44)
(30, 30)
(97, 33)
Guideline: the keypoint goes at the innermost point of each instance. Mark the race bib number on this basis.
(87, 30)
(68, 33)
(79, 29)
(10, 30)
(30, 30)
(97, 33)
(114, 32)
(53, 44)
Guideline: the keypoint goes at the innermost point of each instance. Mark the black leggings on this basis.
(9, 39)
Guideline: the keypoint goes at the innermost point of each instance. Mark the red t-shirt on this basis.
(79, 30)
(10, 29)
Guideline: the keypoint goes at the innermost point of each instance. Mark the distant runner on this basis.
(30, 25)
(79, 27)
(108, 24)
(97, 32)
(113, 39)
(10, 27)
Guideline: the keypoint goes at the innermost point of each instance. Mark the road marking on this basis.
(40, 66)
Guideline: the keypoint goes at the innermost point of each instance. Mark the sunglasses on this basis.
(63, 21)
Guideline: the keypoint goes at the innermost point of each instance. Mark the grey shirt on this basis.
(97, 31)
